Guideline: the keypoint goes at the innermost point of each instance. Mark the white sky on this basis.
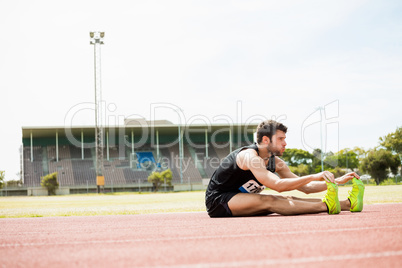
(239, 60)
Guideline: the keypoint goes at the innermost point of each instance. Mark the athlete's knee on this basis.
(269, 201)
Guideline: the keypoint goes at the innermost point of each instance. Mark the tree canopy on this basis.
(379, 163)
(345, 158)
(295, 157)
(393, 141)
(303, 162)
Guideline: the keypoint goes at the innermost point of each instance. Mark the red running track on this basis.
(372, 238)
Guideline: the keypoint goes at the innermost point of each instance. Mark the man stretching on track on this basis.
(234, 189)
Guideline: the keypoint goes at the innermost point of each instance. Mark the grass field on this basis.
(145, 203)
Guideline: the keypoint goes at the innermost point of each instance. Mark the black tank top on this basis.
(229, 177)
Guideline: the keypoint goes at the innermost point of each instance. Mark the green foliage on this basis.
(344, 158)
(391, 181)
(2, 176)
(303, 163)
(379, 163)
(360, 152)
(330, 160)
(158, 178)
(50, 183)
(14, 183)
(300, 170)
(295, 157)
(316, 164)
(337, 171)
(393, 141)
(317, 169)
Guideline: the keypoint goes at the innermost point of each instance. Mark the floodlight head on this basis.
(96, 37)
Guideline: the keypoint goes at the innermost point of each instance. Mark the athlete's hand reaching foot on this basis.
(325, 176)
(347, 177)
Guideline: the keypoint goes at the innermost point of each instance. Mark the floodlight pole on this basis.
(97, 41)
(180, 154)
(322, 162)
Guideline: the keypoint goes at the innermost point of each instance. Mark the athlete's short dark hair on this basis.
(268, 128)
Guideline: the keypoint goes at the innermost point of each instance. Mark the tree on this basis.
(14, 183)
(300, 170)
(393, 141)
(316, 165)
(2, 175)
(330, 160)
(360, 152)
(345, 158)
(158, 178)
(337, 171)
(379, 163)
(295, 157)
(50, 183)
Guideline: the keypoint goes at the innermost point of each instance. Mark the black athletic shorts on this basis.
(217, 205)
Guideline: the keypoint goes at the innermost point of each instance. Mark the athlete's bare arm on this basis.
(314, 186)
(249, 160)
(284, 172)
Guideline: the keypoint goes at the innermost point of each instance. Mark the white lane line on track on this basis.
(175, 238)
(290, 261)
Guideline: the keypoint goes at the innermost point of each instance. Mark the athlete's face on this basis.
(278, 144)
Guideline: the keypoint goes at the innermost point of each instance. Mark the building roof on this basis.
(163, 126)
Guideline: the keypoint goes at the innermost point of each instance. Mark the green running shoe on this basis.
(356, 196)
(331, 199)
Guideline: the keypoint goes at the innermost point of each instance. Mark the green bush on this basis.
(158, 178)
(2, 178)
(50, 183)
(337, 171)
(14, 183)
(300, 170)
(390, 181)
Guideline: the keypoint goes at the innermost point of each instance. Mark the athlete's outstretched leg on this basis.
(345, 204)
(299, 198)
(256, 204)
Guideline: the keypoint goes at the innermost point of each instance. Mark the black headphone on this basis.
(271, 164)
